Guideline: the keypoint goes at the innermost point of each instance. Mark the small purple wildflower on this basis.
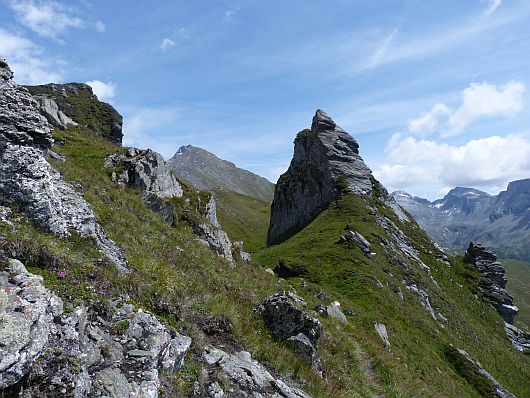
(61, 274)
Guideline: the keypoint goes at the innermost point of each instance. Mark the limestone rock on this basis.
(353, 237)
(98, 349)
(51, 110)
(216, 238)
(424, 299)
(494, 287)
(334, 311)
(20, 121)
(381, 331)
(27, 310)
(326, 160)
(29, 182)
(145, 170)
(468, 366)
(248, 376)
(519, 338)
(287, 321)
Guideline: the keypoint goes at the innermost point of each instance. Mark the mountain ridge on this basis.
(500, 221)
(208, 172)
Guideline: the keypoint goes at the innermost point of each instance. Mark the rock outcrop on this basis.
(493, 285)
(326, 162)
(519, 338)
(30, 183)
(27, 310)
(246, 377)
(97, 349)
(75, 103)
(293, 325)
(146, 170)
(476, 375)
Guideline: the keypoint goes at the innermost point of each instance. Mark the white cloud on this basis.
(485, 162)
(100, 26)
(104, 91)
(166, 44)
(479, 100)
(26, 60)
(486, 100)
(492, 6)
(48, 19)
(429, 122)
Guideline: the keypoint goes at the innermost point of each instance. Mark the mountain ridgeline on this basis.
(208, 172)
(501, 221)
(119, 278)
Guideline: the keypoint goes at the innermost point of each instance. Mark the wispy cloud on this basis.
(27, 60)
(166, 44)
(381, 51)
(48, 19)
(229, 15)
(100, 26)
(492, 6)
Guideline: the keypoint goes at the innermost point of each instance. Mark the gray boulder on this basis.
(287, 322)
(246, 376)
(383, 334)
(216, 239)
(353, 237)
(51, 110)
(326, 161)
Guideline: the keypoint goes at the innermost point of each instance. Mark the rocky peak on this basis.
(516, 199)
(326, 161)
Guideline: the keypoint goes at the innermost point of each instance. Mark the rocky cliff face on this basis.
(29, 182)
(500, 221)
(494, 286)
(207, 172)
(75, 103)
(326, 161)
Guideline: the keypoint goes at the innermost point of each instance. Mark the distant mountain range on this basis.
(208, 172)
(501, 221)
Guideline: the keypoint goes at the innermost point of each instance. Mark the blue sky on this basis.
(436, 92)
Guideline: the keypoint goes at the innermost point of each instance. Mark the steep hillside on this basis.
(384, 270)
(244, 218)
(518, 274)
(207, 172)
(500, 221)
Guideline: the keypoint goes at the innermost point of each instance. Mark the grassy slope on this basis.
(243, 218)
(415, 366)
(195, 280)
(518, 274)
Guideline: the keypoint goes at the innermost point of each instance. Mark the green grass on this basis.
(170, 264)
(418, 342)
(518, 274)
(244, 218)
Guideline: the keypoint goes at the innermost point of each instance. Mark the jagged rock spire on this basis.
(326, 160)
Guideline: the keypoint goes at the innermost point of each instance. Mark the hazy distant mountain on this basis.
(208, 172)
(500, 221)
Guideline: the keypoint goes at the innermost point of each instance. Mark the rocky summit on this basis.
(326, 161)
